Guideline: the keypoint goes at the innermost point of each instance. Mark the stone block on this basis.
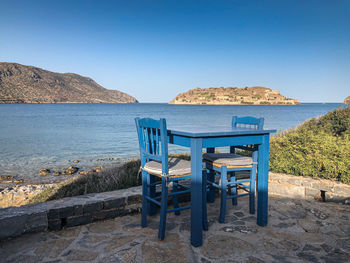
(114, 202)
(294, 181)
(78, 209)
(322, 186)
(17, 221)
(311, 192)
(129, 210)
(53, 214)
(36, 222)
(343, 190)
(65, 211)
(306, 182)
(91, 207)
(62, 212)
(104, 214)
(331, 197)
(12, 226)
(78, 220)
(287, 190)
(281, 178)
(134, 199)
(55, 224)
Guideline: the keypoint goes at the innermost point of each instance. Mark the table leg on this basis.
(263, 180)
(196, 192)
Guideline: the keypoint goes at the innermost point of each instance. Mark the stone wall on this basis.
(307, 187)
(67, 212)
(84, 209)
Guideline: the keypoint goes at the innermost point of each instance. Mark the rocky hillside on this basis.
(347, 100)
(248, 95)
(28, 84)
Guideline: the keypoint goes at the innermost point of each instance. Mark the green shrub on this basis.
(320, 147)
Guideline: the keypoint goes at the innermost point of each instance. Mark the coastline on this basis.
(33, 140)
(17, 192)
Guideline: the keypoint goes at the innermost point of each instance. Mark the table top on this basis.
(214, 131)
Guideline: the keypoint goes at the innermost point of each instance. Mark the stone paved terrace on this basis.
(298, 231)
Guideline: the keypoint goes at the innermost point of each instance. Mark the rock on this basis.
(86, 172)
(44, 172)
(76, 161)
(98, 168)
(19, 181)
(57, 173)
(71, 170)
(6, 177)
(347, 100)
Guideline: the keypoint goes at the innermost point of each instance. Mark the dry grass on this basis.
(118, 177)
(114, 178)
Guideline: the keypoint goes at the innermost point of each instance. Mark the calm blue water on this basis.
(35, 136)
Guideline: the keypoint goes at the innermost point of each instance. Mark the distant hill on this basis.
(28, 84)
(231, 96)
(347, 100)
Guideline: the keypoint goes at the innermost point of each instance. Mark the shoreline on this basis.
(17, 192)
(58, 173)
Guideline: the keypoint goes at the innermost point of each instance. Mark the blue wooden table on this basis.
(201, 137)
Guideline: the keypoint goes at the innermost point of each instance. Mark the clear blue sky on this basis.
(154, 50)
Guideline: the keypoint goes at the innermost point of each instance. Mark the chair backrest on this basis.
(248, 122)
(153, 141)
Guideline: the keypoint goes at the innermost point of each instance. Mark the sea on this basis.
(53, 136)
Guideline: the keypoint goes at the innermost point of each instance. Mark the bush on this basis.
(320, 147)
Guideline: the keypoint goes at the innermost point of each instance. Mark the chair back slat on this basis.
(157, 140)
(151, 141)
(147, 139)
(248, 122)
(152, 136)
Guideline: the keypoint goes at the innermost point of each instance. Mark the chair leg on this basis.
(152, 193)
(144, 199)
(223, 194)
(234, 189)
(211, 192)
(252, 184)
(252, 192)
(204, 201)
(175, 197)
(163, 209)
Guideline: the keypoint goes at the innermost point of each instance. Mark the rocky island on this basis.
(347, 100)
(28, 84)
(232, 96)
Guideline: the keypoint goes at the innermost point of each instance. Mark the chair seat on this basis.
(228, 159)
(177, 167)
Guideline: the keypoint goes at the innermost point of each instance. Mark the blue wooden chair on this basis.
(155, 164)
(227, 164)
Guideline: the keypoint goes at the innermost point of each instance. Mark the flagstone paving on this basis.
(298, 231)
